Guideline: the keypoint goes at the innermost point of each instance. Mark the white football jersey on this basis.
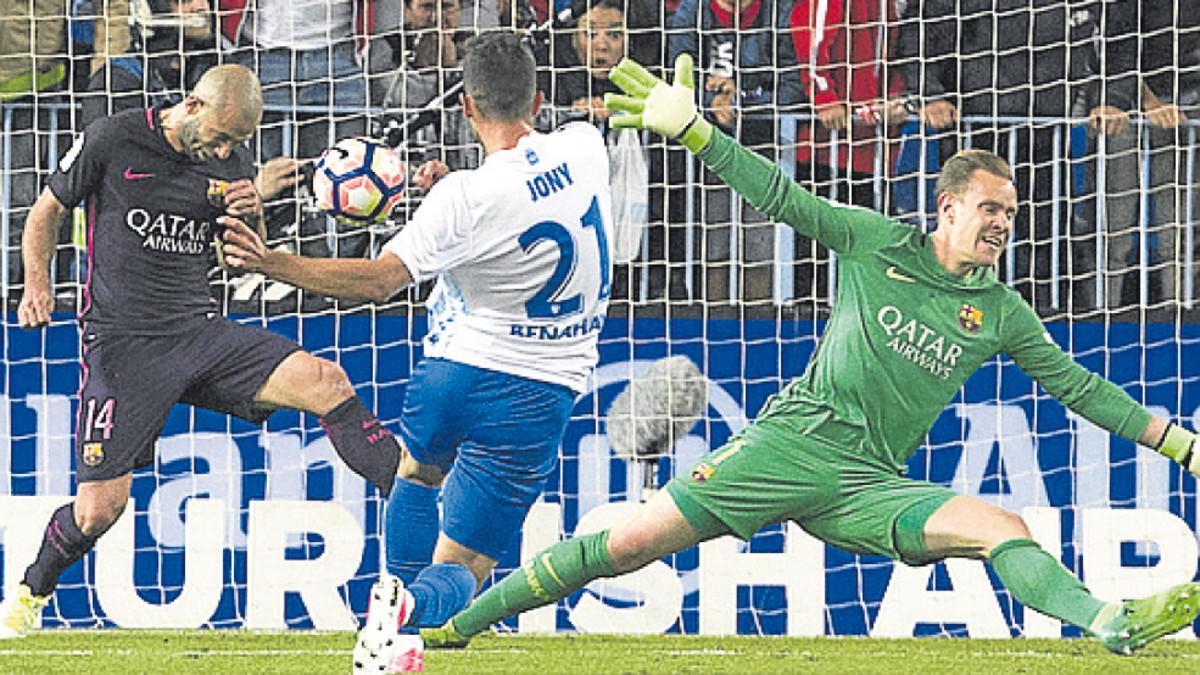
(520, 249)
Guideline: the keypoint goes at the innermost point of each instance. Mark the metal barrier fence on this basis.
(58, 121)
(1063, 163)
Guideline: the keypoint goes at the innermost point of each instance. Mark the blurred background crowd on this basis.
(1092, 102)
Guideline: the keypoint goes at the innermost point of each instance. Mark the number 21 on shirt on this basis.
(546, 303)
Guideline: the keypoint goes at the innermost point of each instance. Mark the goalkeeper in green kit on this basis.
(915, 316)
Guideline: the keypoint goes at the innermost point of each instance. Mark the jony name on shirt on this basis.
(549, 182)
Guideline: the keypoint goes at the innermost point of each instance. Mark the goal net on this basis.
(238, 525)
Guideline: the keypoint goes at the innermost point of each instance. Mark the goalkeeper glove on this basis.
(1180, 445)
(652, 104)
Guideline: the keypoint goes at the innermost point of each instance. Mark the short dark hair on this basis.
(956, 173)
(581, 7)
(500, 75)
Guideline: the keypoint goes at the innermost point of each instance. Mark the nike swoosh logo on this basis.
(131, 175)
(894, 274)
(550, 569)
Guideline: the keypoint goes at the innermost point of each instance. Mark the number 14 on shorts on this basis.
(98, 419)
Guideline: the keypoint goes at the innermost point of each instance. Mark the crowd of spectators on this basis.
(1090, 100)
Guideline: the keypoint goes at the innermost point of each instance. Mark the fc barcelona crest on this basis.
(970, 318)
(216, 192)
(702, 472)
(93, 454)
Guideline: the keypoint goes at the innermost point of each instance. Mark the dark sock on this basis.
(411, 526)
(365, 445)
(1039, 581)
(62, 544)
(439, 592)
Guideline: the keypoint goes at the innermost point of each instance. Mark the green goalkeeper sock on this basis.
(551, 575)
(1039, 581)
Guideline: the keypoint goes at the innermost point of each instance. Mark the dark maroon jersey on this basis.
(151, 220)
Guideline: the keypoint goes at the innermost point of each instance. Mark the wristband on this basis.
(696, 134)
(1179, 444)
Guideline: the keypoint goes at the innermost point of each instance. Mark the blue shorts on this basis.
(498, 437)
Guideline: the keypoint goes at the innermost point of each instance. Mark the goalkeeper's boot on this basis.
(21, 612)
(446, 637)
(387, 610)
(1134, 623)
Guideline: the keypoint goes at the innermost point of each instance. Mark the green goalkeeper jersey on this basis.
(905, 334)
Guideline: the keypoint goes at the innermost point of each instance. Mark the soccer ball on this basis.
(358, 181)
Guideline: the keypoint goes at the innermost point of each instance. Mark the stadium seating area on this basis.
(860, 100)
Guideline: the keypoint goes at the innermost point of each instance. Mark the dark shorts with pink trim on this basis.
(130, 383)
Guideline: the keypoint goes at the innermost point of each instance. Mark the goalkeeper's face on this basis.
(979, 222)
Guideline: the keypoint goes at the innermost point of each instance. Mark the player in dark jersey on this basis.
(916, 315)
(155, 182)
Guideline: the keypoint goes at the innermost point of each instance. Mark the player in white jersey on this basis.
(521, 256)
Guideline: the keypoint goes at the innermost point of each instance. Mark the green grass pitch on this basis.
(130, 652)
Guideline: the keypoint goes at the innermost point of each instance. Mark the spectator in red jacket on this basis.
(841, 46)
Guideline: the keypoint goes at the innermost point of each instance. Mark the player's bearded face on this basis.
(206, 135)
(191, 140)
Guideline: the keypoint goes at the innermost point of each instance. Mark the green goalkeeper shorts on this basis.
(769, 473)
